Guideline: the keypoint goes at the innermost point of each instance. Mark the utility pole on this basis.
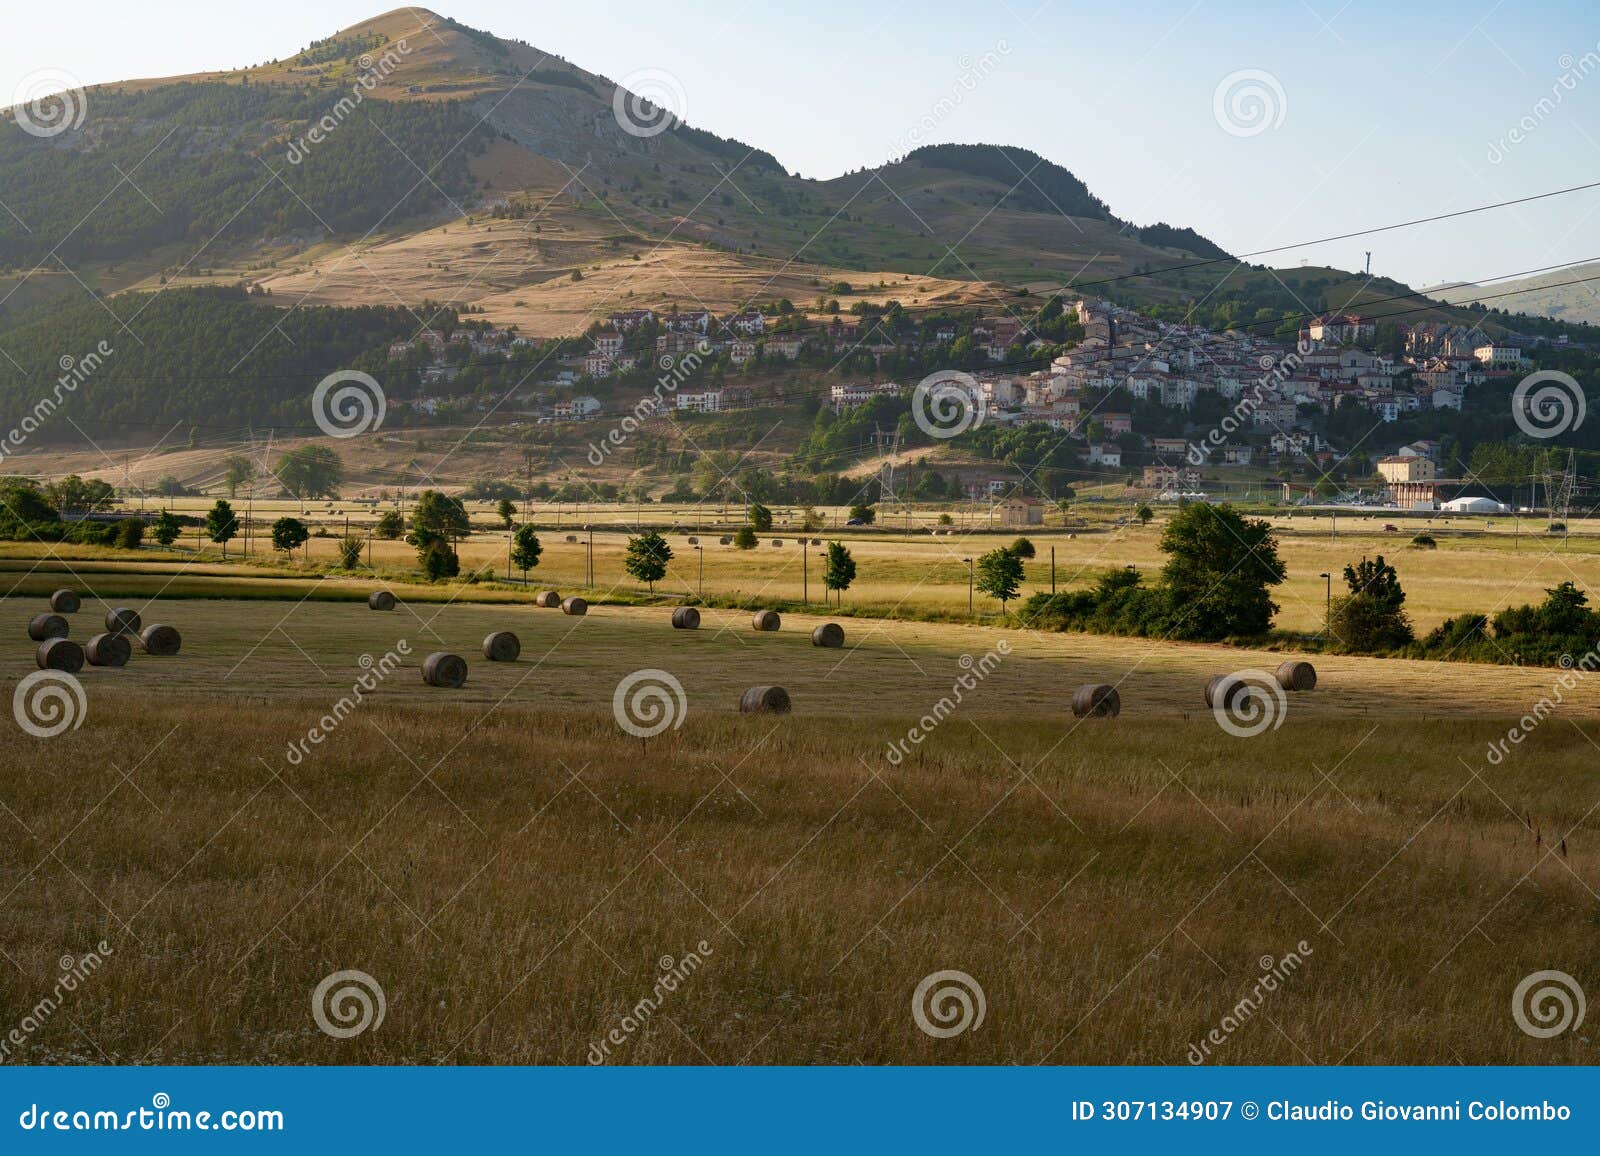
(805, 572)
(970, 580)
(1052, 569)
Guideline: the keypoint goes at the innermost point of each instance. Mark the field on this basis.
(1479, 566)
(517, 872)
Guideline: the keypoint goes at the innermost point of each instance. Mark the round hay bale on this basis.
(1295, 675)
(572, 537)
(380, 600)
(829, 634)
(574, 606)
(777, 541)
(725, 540)
(160, 640)
(1096, 700)
(44, 627)
(686, 618)
(446, 670)
(59, 654)
(65, 602)
(764, 700)
(108, 650)
(816, 541)
(121, 620)
(549, 599)
(1223, 690)
(502, 646)
(766, 620)
(694, 541)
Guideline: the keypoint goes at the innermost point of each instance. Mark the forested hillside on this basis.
(194, 163)
(201, 356)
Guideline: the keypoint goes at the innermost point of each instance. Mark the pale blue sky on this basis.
(1388, 111)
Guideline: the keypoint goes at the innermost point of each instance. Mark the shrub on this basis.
(130, 533)
(1425, 542)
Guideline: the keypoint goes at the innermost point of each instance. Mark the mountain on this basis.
(411, 157)
(1551, 294)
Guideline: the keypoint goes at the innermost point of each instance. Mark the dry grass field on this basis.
(515, 870)
(1478, 567)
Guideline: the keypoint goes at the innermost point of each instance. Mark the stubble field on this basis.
(517, 872)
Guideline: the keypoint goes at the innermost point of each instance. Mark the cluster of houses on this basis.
(1273, 391)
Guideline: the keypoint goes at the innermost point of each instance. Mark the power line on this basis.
(1241, 257)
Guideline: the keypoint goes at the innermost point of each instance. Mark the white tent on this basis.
(1475, 506)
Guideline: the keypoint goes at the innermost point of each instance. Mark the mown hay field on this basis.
(515, 870)
(898, 574)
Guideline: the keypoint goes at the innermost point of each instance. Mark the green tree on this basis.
(289, 534)
(222, 524)
(1023, 548)
(1145, 514)
(864, 513)
(647, 557)
(438, 559)
(525, 550)
(350, 547)
(1370, 617)
(73, 494)
(130, 533)
(839, 571)
(1220, 567)
(391, 524)
(439, 515)
(1000, 575)
(237, 471)
(744, 538)
(760, 518)
(312, 471)
(167, 528)
(507, 510)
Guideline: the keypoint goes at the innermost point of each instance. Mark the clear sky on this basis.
(1375, 112)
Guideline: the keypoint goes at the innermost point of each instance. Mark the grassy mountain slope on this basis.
(412, 158)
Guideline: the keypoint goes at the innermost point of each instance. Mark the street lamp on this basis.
(968, 561)
(589, 565)
(701, 550)
(1329, 615)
